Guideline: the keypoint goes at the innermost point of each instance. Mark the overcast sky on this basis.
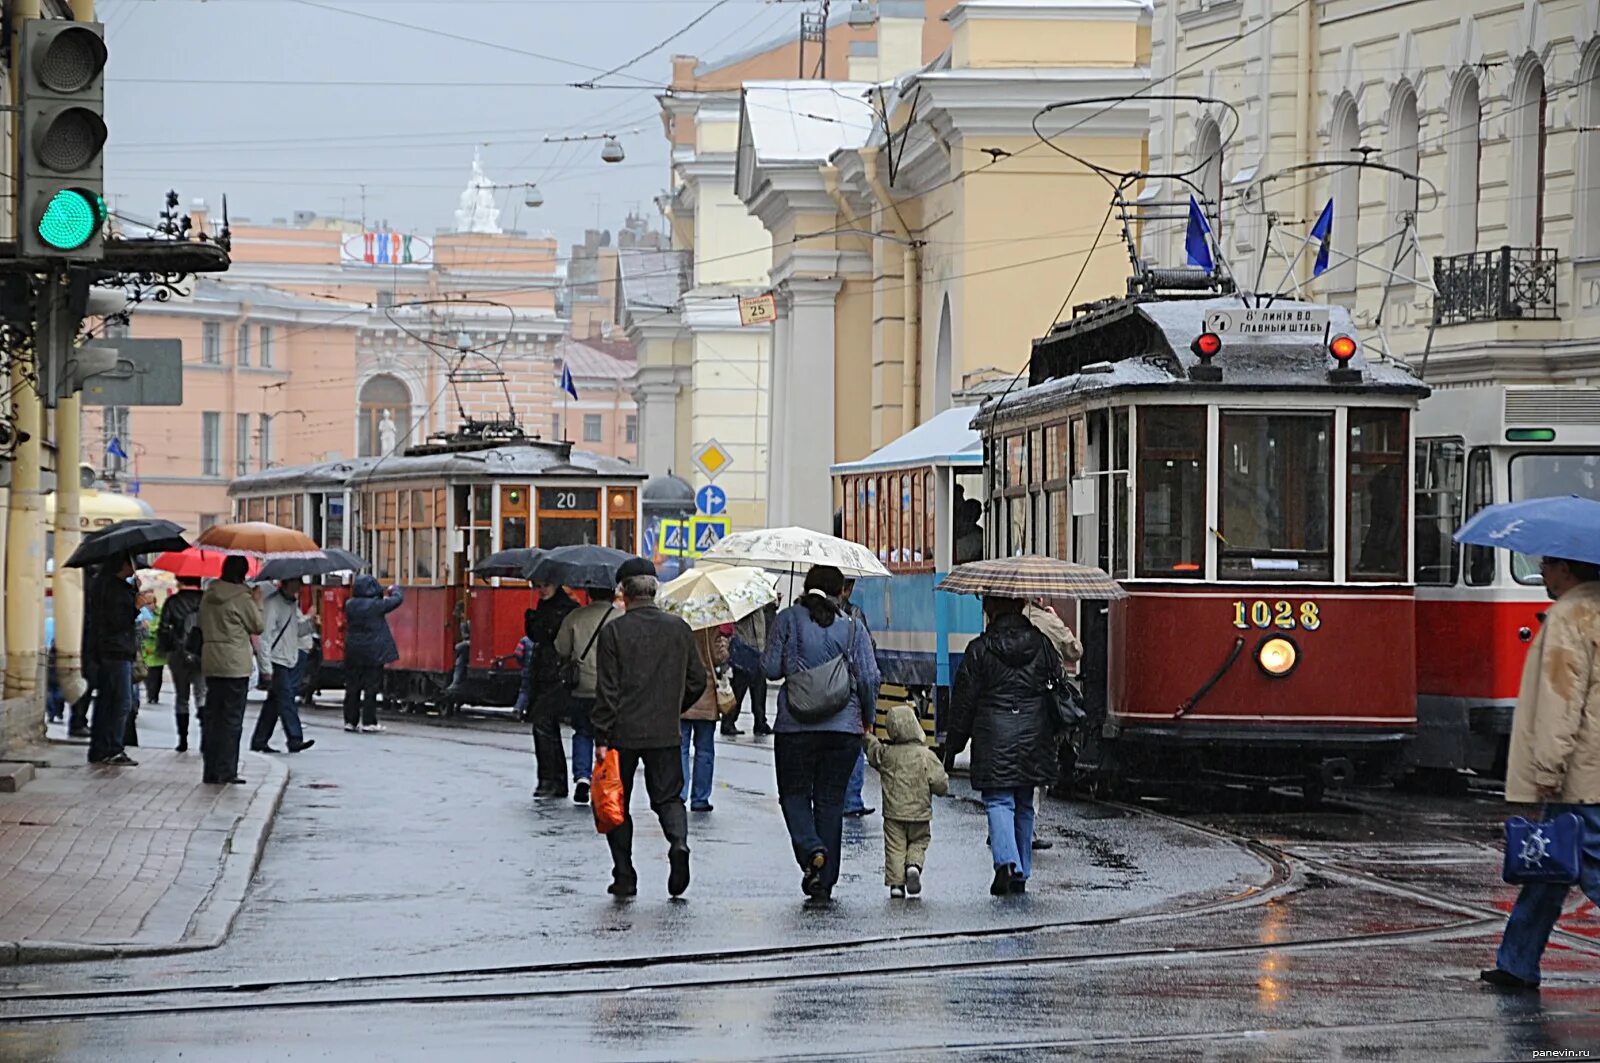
(288, 140)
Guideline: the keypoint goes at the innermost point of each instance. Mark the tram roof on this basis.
(508, 460)
(300, 477)
(946, 439)
(1143, 342)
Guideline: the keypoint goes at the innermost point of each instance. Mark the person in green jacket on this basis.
(154, 660)
(909, 775)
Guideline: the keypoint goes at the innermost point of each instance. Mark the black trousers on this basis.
(222, 725)
(663, 781)
(548, 707)
(361, 685)
(152, 683)
(755, 683)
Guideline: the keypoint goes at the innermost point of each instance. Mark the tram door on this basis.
(1099, 441)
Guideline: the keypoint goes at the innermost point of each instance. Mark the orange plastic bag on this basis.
(605, 793)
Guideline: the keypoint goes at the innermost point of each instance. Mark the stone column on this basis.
(658, 425)
(778, 414)
(808, 404)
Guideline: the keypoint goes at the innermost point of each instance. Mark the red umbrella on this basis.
(195, 563)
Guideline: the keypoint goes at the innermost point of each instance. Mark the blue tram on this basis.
(917, 504)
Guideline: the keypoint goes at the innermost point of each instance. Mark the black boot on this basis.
(183, 732)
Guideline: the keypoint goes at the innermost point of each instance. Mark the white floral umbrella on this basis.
(795, 550)
(709, 597)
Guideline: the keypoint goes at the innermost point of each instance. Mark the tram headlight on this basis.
(1277, 656)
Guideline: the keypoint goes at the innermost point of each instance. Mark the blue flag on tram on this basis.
(1322, 232)
(1195, 243)
(566, 381)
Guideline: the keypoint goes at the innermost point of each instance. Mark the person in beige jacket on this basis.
(1555, 755)
(230, 613)
(698, 725)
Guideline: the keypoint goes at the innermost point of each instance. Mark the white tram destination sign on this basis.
(1268, 321)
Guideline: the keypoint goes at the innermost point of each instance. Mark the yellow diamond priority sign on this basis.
(713, 459)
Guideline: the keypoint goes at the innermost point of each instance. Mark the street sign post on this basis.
(711, 500)
(712, 459)
(706, 532)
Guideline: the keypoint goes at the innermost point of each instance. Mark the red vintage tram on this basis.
(1245, 471)
(423, 519)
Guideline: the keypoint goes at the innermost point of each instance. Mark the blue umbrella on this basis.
(1566, 527)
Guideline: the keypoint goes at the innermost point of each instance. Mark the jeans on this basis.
(547, 753)
(184, 679)
(1539, 904)
(753, 681)
(361, 685)
(582, 739)
(463, 652)
(113, 701)
(703, 735)
(280, 704)
(858, 779)
(663, 779)
(221, 726)
(1011, 828)
(813, 769)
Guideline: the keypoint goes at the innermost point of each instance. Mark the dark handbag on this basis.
(1061, 697)
(1543, 852)
(818, 692)
(567, 671)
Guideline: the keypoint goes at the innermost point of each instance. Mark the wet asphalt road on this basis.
(414, 903)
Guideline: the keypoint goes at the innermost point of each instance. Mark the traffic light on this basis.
(61, 206)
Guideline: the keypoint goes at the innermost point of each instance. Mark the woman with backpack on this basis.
(177, 639)
(830, 692)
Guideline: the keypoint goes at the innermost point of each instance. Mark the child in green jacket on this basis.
(910, 775)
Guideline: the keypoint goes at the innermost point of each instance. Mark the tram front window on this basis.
(568, 516)
(1543, 475)
(1277, 496)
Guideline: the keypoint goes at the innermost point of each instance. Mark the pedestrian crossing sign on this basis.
(708, 531)
(675, 538)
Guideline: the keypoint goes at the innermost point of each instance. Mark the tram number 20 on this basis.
(1285, 615)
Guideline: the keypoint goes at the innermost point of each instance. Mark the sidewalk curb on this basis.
(211, 922)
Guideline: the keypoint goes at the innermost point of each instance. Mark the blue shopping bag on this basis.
(1543, 852)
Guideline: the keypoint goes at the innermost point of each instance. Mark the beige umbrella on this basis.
(258, 539)
(710, 597)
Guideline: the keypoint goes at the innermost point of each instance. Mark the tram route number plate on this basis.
(1268, 321)
(1282, 615)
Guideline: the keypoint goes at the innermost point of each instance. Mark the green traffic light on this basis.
(71, 219)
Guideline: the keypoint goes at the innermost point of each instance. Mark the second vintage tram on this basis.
(423, 519)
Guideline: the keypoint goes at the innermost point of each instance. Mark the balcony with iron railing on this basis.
(1507, 284)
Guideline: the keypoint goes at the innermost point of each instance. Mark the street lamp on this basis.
(612, 151)
(534, 197)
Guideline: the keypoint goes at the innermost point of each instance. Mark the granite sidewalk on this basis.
(97, 862)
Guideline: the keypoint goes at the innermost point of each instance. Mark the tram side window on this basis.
(1441, 463)
(966, 518)
(1172, 490)
(623, 520)
(1377, 517)
(1548, 475)
(1480, 493)
(1277, 496)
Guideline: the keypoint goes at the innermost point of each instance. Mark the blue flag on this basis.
(566, 382)
(115, 449)
(1322, 232)
(1195, 243)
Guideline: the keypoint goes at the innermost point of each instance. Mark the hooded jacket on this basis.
(999, 705)
(909, 772)
(229, 615)
(367, 640)
(1555, 730)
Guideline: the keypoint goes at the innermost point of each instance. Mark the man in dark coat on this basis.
(542, 625)
(112, 631)
(648, 674)
(1000, 702)
(368, 646)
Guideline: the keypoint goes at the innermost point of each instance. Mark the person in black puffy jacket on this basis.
(368, 646)
(999, 703)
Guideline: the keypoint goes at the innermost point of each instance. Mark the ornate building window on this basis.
(1464, 149)
(1402, 153)
(385, 416)
(1344, 136)
(1529, 104)
(1586, 240)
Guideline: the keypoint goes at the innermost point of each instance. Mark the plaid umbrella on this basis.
(1031, 577)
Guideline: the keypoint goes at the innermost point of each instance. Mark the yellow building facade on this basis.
(923, 233)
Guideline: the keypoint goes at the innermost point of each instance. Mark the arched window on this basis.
(382, 395)
(1588, 160)
(1208, 157)
(1464, 150)
(1344, 136)
(1528, 105)
(1402, 153)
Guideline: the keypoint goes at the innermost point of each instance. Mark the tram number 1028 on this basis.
(1286, 616)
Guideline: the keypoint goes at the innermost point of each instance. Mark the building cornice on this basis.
(1048, 11)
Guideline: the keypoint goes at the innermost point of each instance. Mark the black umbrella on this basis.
(509, 564)
(142, 535)
(335, 560)
(580, 566)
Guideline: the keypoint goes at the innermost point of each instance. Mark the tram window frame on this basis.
(557, 518)
(961, 481)
(1525, 568)
(930, 520)
(422, 548)
(1479, 563)
(1159, 450)
(515, 527)
(622, 518)
(1236, 561)
(1437, 509)
(1362, 492)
